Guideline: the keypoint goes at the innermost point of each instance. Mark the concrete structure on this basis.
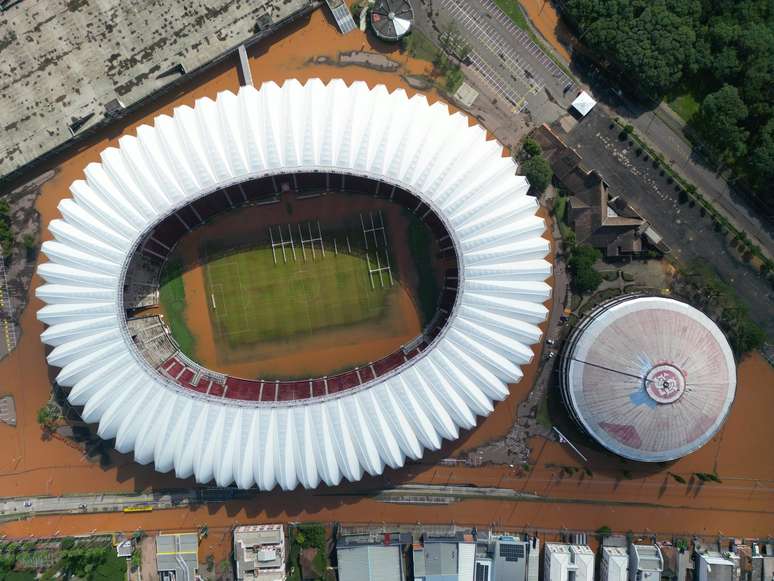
(563, 562)
(125, 548)
(645, 563)
(372, 557)
(716, 566)
(649, 378)
(259, 552)
(677, 562)
(230, 430)
(70, 66)
(756, 561)
(614, 565)
(177, 556)
(445, 558)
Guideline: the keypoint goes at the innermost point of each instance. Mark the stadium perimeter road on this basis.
(502, 55)
(690, 235)
(65, 61)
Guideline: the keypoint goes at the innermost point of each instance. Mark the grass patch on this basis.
(420, 243)
(512, 9)
(685, 105)
(420, 47)
(257, 300)
(172, 300)
(543, 416)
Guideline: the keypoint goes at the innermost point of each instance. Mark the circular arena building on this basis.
(650, 378)
(365, 162)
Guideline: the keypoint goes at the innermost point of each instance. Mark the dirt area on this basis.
(315, 354)
(32, 465)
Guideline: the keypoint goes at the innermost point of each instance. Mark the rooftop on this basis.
(259, 552)
(65, 62)
(177, 556)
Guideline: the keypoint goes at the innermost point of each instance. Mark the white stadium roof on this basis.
(650, 378)
(354, 129)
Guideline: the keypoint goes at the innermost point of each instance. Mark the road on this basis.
(690, 235)
(663, 131)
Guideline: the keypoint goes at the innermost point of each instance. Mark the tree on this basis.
(48, 416)
(584, 277)
(538, 172)
(531, 147)
(719, 123)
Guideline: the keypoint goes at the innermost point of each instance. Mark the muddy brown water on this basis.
(30, 465)
(327, 350)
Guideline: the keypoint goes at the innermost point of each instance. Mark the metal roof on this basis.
(650, 378)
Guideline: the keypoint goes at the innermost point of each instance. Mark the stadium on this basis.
(651, 379)
(325, 180)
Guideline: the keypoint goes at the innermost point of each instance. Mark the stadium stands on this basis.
(155, 343)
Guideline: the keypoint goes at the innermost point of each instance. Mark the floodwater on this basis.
(544, 17)
(30, 465)
(324, 351)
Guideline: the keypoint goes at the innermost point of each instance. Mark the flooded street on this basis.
(31, 465)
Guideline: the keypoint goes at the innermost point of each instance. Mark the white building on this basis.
(646, 563)
(445, 559)
(716, 566)
(568, 563)
(614, 565)
(259, 552)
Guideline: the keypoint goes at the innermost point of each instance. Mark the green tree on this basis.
(719, 122)
(584, 277)
(48, 416)
(531, 147)
(538, 172)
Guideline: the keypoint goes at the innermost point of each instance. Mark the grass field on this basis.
(257, 300)
(172, 299)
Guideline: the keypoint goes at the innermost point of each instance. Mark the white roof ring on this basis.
(355, 130)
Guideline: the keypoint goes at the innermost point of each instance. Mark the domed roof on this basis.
(357, 130)
(650, 378)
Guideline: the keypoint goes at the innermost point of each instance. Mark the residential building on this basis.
(372, 557)
(259, 552)
(716, 566)
(177, 556)
(564, 562)
(598, 217)
(645, 563)
(450, 558)
(614, 565)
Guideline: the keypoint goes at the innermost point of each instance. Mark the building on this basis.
(614, 564)
(677, 562)
(135, 382)
(101, 75)
(630, 374)
(598, 217)
(583, 103)
(177, 556)
(391, 20)
(645, 563)
(563, 562)
(717, 566)
(372, 557)
(514, 559)
(125, 548)
(259, 552)
(445, 558)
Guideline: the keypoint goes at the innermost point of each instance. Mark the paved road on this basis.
(664, 132)
(690, 235)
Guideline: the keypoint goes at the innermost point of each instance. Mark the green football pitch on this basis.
(252, 299)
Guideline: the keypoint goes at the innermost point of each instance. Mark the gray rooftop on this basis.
(177, 556)
(369, 563)
(64, 61)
